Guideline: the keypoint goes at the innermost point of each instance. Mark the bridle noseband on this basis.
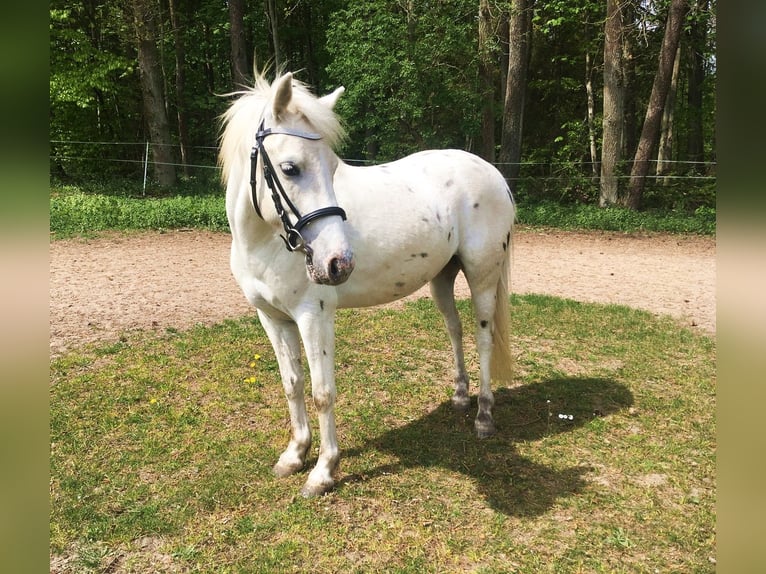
(292, 238)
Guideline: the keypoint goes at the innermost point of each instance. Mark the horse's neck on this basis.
(248, 226)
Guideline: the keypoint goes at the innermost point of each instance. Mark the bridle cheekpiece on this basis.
(293, 239)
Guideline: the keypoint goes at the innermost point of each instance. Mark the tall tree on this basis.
(591, 106)
(271, 10)
(145, 15)
(662, 79)
(180, 77)
(520, 29)
(614, 104)
(487, 76)
(667, 129)
(696, 35)
(239, 71)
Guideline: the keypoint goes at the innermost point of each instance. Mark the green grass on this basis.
(579, 216)
(87, 210)
(162, 445)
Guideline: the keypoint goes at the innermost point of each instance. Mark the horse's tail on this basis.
(501, 368)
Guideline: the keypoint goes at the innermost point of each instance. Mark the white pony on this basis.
(370, 235)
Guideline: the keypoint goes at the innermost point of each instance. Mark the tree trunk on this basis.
(519, 31)
(591, 115)
(614, 104)
(181, 115)
(665, 152)
(695, 150)
(209, 57)
(272, 13)
(631, 83)
(145, 26)
(239, 71)
(651, 130)
(487, 75)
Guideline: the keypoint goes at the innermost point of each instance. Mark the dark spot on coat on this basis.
(449, 236)
(321, 305)
(505, 246)
(449, 183)
(424, 219)
(399, 283)
(424, 255)
(438, 217)
(484, 324)
(324, 352)
(476, 205)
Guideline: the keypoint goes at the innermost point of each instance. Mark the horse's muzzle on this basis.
(334, 272)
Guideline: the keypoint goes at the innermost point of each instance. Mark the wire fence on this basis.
(71, 159)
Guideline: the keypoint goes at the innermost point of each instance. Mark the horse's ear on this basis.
(283, 93)
(331, 99)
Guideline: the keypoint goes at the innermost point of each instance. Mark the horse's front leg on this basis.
(285, 339)
(318, 332)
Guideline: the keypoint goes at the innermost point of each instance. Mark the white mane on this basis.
(240, 122)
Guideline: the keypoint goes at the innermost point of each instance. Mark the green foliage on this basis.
(410, 75)
(94, 89)
(83, 69)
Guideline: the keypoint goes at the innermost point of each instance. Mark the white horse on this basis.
(370, 235)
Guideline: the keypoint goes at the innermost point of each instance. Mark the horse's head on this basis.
(292, 169)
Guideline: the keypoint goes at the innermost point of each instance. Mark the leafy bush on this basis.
(81, 213)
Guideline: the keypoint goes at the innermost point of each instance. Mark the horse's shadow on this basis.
(510, 482)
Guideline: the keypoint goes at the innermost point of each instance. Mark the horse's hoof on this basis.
(461, 403)
(314, 490)
(485, 428)
(283, 470)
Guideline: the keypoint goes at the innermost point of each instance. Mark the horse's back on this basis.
(446, 178)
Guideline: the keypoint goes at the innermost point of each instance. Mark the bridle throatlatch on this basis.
(292, 237)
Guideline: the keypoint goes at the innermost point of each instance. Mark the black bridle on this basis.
(292, 238)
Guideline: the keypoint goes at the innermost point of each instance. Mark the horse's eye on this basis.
(289, 169)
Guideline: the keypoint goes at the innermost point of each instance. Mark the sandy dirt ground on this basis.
(100, 288)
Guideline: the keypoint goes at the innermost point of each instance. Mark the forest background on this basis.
(576, 101)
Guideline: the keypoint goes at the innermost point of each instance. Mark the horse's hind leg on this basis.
(285, 339)
(443, 293)
(484, 307)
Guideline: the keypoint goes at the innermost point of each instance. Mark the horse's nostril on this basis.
(335, 271)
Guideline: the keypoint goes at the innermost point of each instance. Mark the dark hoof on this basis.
(461, 403)
(485, 428)
(314, 490)
(285, 470)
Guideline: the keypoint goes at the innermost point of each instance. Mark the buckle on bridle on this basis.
(294, 241)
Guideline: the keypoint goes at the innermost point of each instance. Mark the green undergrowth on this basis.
(77, 211)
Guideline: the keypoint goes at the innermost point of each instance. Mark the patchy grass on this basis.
(162, 446)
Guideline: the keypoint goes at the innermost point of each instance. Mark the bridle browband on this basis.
(293, 239)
